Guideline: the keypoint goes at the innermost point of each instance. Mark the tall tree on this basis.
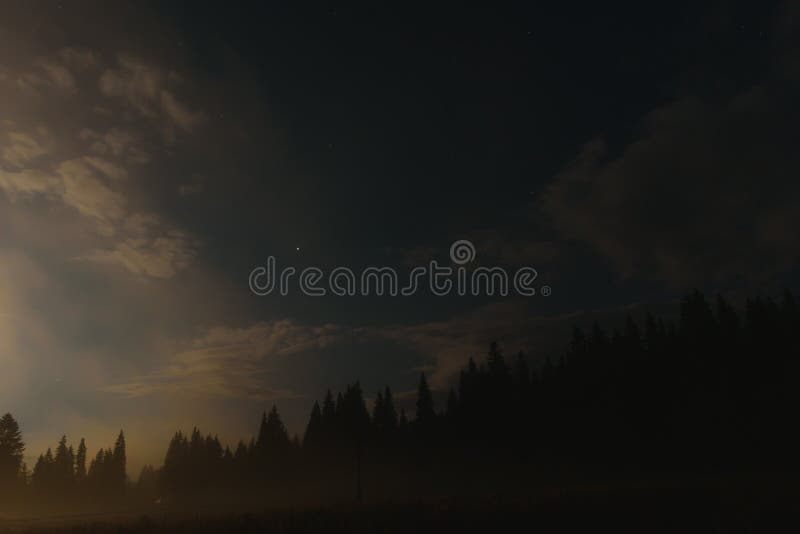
(389, 411)
(64, 462)
(312, 439)
(11, 451)
(495, 361)
(43, 472)
(425, 411)
(377, 410)
(119, 461)
(272, 434)
(80, 462)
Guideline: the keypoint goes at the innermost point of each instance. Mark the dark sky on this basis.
(153, 154)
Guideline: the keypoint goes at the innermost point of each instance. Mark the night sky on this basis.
(153, 154)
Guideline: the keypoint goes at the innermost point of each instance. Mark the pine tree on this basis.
(312, 439)
(377, 411)
(353, 414)
(118, 464)
(261, 440)
(329, 436)
(384, 415)
(425, 411)
(495, 361)
(12, 449)
(389, 411)
(63, 465)
(273, 434)
(176, 468)
(80, 462)
(328, 407)
(271, 450)
(97, 476)
(44, 474)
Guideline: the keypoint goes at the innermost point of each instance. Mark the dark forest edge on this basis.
(710, 396)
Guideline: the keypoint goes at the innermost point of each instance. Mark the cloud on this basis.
(230, 362)
(150, 247)
(450, 343)
(186, 190)
(79, 181)
(116, 142)
(692, 197)
(146, 245)
(135, 81)
(159, 257)
(22, 148)
(56, 71)
(140, 224)
(27, 183)
(259, 361)
(59, 76)
(86, 191)
(184, 118)
(701, 193)
(78, 58)
(96, 177)
(145, 87)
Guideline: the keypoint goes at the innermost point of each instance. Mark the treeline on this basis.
(714, 390)
(60, 477)
(65, 474)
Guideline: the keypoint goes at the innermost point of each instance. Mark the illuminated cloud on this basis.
(86, 189)
(182, 116)
(59, 76)
(27, 183)
(21, 148)
(57, 71)
(159, 257)
(135, 81)
(231, 362)
(77, 58)
(116, 142)
(145, 87)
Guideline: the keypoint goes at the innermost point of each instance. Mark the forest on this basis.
(709, 393)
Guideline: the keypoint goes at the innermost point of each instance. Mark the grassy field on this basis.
(634, 509)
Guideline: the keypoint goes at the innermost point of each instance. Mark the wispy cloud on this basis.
(21, 148)
(231, 362)
(145, 88)
(162, 256)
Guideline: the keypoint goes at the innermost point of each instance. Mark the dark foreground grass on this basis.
(588, 510)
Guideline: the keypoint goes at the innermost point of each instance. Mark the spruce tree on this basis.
(80, 462)
(11, 451)
(312, 438)
(425, 411)
(118, 464)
